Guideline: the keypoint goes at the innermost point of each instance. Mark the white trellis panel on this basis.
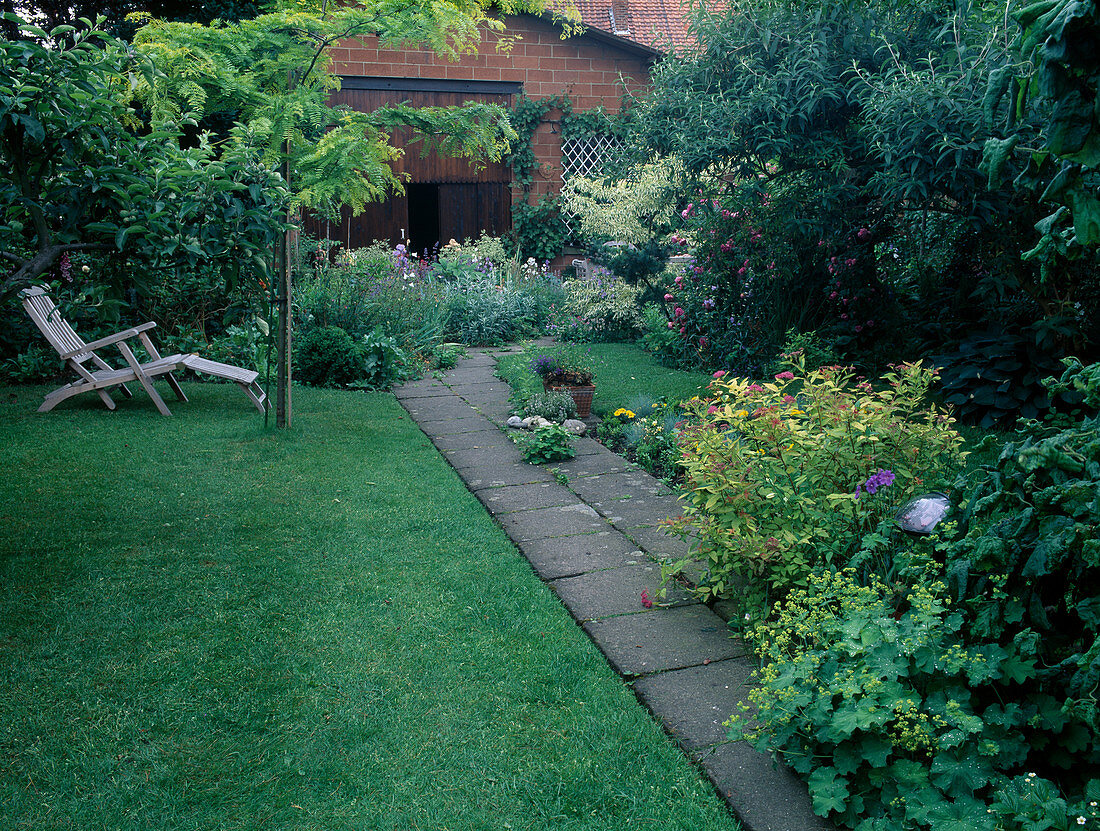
(587, 156)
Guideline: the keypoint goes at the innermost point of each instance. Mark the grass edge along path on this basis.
(206, 625)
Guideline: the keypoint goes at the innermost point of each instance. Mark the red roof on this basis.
(659, 24)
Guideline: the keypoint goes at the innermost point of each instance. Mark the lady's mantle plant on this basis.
(786, 476)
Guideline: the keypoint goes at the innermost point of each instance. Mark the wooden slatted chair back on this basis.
(47, 317)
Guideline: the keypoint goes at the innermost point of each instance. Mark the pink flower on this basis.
(668, 297)
(844, 317)
(785, 376)
(647, 602)
(719, 373)
(711, 410)
(679, 312)
(671, 324)
(858, 328)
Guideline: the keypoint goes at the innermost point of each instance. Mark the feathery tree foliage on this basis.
(275, 73)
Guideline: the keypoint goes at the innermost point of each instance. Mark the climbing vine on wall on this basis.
(538, 228)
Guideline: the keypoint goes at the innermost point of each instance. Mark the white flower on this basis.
(1080, 820)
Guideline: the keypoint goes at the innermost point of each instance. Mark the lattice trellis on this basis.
(587, 156)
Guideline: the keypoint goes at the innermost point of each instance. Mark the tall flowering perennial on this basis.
(774, 470)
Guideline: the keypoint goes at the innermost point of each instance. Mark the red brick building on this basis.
(448, 198)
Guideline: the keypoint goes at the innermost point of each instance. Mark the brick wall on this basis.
(585, 68)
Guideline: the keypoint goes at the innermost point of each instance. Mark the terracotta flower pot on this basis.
(582, 397)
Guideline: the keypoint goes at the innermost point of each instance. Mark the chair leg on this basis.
(110, 402)
(256, 395)
(144, 379)
(175, 385)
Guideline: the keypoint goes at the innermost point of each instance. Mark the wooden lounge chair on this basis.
(102, 377)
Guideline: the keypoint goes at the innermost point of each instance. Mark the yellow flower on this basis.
(796, 411)
(622, 411)
(742, 413)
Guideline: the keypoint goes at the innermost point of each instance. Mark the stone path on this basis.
(596, 541)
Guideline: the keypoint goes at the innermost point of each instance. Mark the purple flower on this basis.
(881, 479)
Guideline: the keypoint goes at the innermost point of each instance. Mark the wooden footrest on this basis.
(219, 370)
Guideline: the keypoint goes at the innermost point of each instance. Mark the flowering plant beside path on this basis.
(786, 476)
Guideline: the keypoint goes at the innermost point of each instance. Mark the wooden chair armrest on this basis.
(124, 335)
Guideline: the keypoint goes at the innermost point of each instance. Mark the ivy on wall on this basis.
(537, 227)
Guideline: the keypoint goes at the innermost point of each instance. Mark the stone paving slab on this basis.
(475, 423)
(483, 457)
(562, 521)
(465, 375)
(486, 400)
(525, 497)
(658, 543)
(694, 703)
(504, 475)
(602, 594)
(765, 798)
(486, 384)
(555, 557)
(663, 639)
(491, 437)
(498, 413)
(624, 483)
(422, 389)
(640, 512)
(437, 408)
(594, 464)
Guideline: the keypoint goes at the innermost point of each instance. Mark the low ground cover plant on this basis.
(547, 444)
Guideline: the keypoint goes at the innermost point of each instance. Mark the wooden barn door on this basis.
(446, 198)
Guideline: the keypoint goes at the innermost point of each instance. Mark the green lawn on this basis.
(625, 373)
(207, 625)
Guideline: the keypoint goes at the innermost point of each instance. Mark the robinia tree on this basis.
(274, 73)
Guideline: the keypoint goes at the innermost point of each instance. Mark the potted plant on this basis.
(568, 370)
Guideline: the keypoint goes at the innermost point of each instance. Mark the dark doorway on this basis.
(423, 217)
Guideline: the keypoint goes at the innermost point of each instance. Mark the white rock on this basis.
(575, 426)
(539, 421)
(516, 423)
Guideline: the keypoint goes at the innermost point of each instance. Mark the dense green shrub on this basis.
(783, 477)
(327, 356)
(995, 376)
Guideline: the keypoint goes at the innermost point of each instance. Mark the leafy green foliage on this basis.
(886, 707)
(955, 684)
(327, 356)
(547, 444)
(83, 177)
(538, 229)
(384, 362)
(780, 475)
(996, 376)
(1056, 82)
(598, 308)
